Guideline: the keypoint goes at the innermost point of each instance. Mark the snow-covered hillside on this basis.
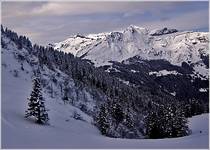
(169, 44)
(67, 132)
(70, 126)
(18, 66)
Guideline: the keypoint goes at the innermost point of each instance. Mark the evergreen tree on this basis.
(187, 109)
(196, 107)
(42, 112)
(129, 119)
(3, 45)
(36, 107)
(102, 120)
(169, 118)
(166, 121)
(65, 97)
(180, 127)
(2, 29)
(153, 129)
(116, 111)
(65, 90)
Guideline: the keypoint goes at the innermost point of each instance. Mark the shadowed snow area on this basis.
(66, 132)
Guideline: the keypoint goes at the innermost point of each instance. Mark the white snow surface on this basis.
(173, 93)
(201, 70)
(163, 73)
(64, 131)
(178, 47)
(203, 90)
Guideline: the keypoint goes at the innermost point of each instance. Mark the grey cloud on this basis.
(47, 22)
(18, 9)
(188, 21)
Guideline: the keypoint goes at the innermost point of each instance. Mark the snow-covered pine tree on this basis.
(102, 120)
(169, 120)
(180, 127)
(175, 121)
(166, 120)
(129, 119)
(116, 111)
(33, 99)
(42, 115)
(152, 124)
(36, 107)
(129, 122)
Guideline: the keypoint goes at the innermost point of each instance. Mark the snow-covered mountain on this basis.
(89, 89)
(168, 44)
(175, 61)
(66, 130)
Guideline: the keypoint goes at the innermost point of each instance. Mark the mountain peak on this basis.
(133, 41)
(79, 35)
(162, 31)
(133, 28)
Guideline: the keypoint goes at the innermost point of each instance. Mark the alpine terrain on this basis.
(168, 59)
(134, 88)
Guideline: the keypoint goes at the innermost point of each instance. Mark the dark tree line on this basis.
(21, 41)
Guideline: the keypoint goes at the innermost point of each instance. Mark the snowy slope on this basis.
(64, 131)
(16, 87)
(77, 43)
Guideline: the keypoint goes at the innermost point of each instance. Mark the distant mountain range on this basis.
(177, 62)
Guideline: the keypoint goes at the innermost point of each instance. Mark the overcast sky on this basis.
(49, 22)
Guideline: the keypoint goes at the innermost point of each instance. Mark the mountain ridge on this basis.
(164, 58)
(169, 44)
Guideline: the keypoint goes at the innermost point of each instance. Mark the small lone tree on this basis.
(36, 107)
(65, 94)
